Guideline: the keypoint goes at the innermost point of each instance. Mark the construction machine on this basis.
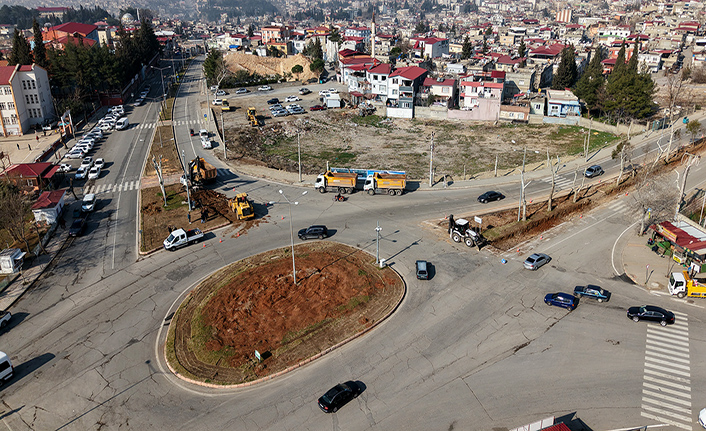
(461, 231)
(242, 207)
(252, 117)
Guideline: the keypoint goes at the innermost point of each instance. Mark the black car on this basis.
(316, 231)
(593, 171)
(338, 396)
(273, 101)
(77, 227)
(490, 197)
(650, 312)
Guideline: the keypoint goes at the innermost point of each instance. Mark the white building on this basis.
(25, 98)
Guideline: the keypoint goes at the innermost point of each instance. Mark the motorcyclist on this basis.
(338, 197)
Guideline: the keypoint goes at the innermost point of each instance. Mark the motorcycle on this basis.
(339, 198)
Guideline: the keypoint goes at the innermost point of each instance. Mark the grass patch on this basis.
(354, 302)
(338, 155)
(371, 120)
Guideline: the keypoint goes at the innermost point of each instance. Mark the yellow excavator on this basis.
(252, 117)
(242, 207)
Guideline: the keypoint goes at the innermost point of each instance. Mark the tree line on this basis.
(22, 17)
(79, 72)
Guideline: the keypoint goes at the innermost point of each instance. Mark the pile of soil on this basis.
(253, 305)
(267, 66)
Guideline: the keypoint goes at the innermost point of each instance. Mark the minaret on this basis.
(372, 35)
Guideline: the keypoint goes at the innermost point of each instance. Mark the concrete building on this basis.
(25, 98)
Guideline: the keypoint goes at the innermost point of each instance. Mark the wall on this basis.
(432, 112)
(562, 120)
(399, 112)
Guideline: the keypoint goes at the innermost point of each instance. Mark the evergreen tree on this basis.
(522, 49)
(467, 50)
(40, 51)
(617, 88)
(485, 46)
(21, 52)
(566, 72)
(591, 82)
(146, 42)
(251, 31)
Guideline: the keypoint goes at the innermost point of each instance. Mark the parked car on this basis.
(295, 110)
(332, 90)
(593, 171)
(94, 173)
(87, 162)
(561, 299)
(324, 93)
(213, 88)
(536, 260)
(275, 107)
(81, 173)
(264, 88)
(206, 143)
(77, 227)
(76, 153)
(651, 312)
(203, 133)
(280, 113)
(338, 396)
(5, 317)
(490, 197)
(592, 291)
(273, 101)
(422, 270)
(221, 93)
(315, 231)
(88, 203)
(304, 91)
(292, 99)
(217, 101)
(317, 108)
(99, 163)
(241, 91)
(64, 167)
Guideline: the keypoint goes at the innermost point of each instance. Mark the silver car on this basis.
(280, 113)
(536, 260)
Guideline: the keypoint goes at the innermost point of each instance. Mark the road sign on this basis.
(477, 219)
(257, 355)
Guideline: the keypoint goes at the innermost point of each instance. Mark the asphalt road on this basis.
(475, 347)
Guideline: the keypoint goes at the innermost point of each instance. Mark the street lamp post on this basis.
(291, 233)
(164, 95)
(377, 243)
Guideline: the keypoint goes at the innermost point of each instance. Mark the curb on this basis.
(300, 364)
(211, 229)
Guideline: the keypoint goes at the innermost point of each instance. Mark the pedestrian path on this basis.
(198, 122)
(112, 188)
(666, 386)
(620, 206)
(561, 182)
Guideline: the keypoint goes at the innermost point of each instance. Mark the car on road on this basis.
(338, 396)
(304, 91)
(64, 167)
(264, 88)
(702, 418)
(87, 162)
(99, 163)
(490, 197)
(203, 133)
(315, 231)
(332, 90)
(139, 101)
(317, 108)
(592, 291)
(536, 260)
(324, 93)
(81, 173)
(76, 153)
(213, 88)
(422, 269)
(241, 91)
(221, 93)
(593, 171)
(77, 227)
(280, 113)
(561, 299)
(651, 312)
(94, 173)
(206, 143)
(292, 99)
(5, 317)
(217, 101)
(88, 203)
(273, 101)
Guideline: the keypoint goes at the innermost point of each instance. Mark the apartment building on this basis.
(25, 98)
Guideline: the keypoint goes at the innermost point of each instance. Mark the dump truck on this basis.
(341, 182)
(682, 284)
(252, 117)
(242, 207)
(180, 237)
(201, 172)
(391, 184)
(461, 231)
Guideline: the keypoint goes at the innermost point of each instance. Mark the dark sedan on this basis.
(338, 396)
(273, 101)
(592, 291)
(490, 197)
(316, 231)
(317, 108)
(561, 299)
(77, 227)
(650, 312)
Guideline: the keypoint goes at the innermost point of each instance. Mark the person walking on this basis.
(18, 146)
(188, 216)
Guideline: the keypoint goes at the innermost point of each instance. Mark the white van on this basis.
(6, 368)
(122, 124)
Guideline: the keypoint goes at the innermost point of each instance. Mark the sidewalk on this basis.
(645, 267)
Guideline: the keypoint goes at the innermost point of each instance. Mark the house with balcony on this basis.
(25, 98)
(378, 77)
(353, 71)
(362, 32)
(404, 84)
(274, 33)
(430, 47)
(482, 98)
(438, 92)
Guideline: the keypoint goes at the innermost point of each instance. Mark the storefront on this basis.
(684, 241)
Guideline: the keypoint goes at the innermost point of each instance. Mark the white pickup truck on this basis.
(180, 237)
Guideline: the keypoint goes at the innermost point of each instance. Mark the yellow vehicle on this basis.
(392, 184)
(200, 171)
(682, 284)
(226, 106)
(341, 182)
(241, 206)
(252, 117)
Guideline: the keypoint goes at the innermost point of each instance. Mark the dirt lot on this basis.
(343, 139)
(267, 66)
(253, 305)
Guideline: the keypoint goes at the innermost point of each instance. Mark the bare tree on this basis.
(624, 151)
(677, 93)
(553, 171)
(583, 182)
(523, 186)
(653, 197)
(158, 167)
(15, 208)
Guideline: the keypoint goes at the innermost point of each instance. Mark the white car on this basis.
(206, 143)
(214, 88)
(65, 167)
(99, 163)
(280, 113)
(76, 153)
(87, 162)
(88, 203)
(203, 133)
(97, 131)
(80, 173)
(5, 317)
(292, 99)
(105, 127)
(264, 88)
(221, 93)
(217, 101)
(332, 90)
(324, 93)
(276, 107)
(94, 173)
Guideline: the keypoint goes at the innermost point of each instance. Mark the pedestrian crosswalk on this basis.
(561, 182)
(666, 385)
(619, 206)
(198, 122)
(112, 188)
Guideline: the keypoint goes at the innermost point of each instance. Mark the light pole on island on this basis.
(291, 232)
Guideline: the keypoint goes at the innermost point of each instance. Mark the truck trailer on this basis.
(391, 184)
(341, 182)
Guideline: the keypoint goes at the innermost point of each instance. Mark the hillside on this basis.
(269, 65)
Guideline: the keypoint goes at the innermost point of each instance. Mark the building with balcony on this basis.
(404, 84)
(25, 98)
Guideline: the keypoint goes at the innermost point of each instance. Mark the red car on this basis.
(317, 108)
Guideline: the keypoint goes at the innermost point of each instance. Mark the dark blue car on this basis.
(561, 299)
(592, 291)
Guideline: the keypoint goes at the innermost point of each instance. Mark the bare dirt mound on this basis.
(253, 305)
(269, 65)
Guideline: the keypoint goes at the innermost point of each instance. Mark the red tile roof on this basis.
(411, 72)
(74, 27)
(31, 170)
(5, 74)
(382, 69)
(49, 199)
(428, 82)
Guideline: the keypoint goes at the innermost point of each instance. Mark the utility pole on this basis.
(299, 155)
(693, 159)
(223, 130)
(377, 243)
(158, 167)
(431, 161)
(185, 164)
